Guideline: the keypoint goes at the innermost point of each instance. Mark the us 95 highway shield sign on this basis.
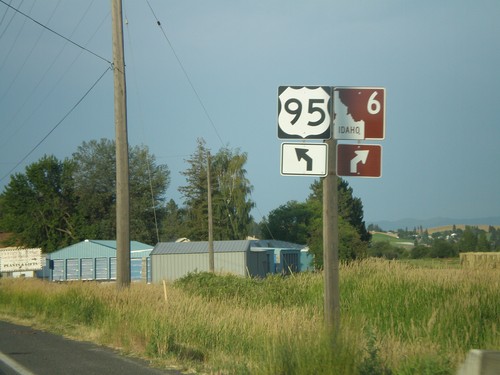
(304, 112)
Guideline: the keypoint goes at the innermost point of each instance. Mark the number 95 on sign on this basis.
(304, 112)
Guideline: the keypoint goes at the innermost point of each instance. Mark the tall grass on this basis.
(396, 319)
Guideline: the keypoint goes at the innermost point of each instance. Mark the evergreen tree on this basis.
(350, 207)
(174, 224)
(482, 242)
(303, 223)
(468, 242)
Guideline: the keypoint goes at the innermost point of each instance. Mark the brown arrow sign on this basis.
(359, 160)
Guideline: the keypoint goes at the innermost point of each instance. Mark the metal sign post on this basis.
(331, 244)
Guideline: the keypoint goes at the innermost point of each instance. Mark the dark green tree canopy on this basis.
(302, 222)
(95, 187)
(38, 206)
(57, 203)
(350, 207)
(291, 222)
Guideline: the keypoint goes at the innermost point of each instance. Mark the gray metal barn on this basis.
(96, 260)
(173, 260)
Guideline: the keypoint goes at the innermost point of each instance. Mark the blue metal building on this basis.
(96, 260)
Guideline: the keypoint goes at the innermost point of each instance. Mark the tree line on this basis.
(442, 244)
(56, 203)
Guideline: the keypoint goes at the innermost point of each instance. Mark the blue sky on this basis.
(438, 61)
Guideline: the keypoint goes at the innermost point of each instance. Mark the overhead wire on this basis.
(54, 60)
(14, 42)
(198, 98)
(186, 74)
(58, 123)
(153, 203)
(10, 21)
(56, 33)
(21, 66)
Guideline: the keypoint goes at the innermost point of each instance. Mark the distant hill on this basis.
(434, 222)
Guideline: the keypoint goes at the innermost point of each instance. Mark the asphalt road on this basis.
(27, 351)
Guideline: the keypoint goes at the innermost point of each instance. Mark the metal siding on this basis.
(72, 269)
(87, 268)
(112, 267)
(58, 271)
(290, 262)
(260, 263)
(306, 261)
(101, 269)
(135, 268)
(174, 266)
(230, 263)
(148, 272)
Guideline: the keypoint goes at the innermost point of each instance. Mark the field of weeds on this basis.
(395, 319)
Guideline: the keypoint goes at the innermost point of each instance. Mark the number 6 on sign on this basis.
(359, 113)
(304, 112)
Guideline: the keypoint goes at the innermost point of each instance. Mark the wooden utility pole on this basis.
(211, 262)
(331, 242)
(122, 167)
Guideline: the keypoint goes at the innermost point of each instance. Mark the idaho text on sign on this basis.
(359, 113)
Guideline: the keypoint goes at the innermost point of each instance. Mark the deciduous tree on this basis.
(230, 194)
(38, 206)
(95, 187)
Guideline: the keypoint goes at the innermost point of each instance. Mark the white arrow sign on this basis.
(361, 157)
(304, 159)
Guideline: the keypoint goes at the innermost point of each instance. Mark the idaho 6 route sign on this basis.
(304, 112)
(359, 113)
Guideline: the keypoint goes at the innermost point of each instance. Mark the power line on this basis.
(196, 94)
(153, 202)
(10, 122)
(185, 74)
(21, 66)
(11, 18)
(57, 125)
(55, 32)
(14, 42)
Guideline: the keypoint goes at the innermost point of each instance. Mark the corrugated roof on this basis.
(96, 248)
(219, 246)
(278, 244)
(134, 245)
(200, 247)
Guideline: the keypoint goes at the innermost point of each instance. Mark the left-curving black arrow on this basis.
(302, 154)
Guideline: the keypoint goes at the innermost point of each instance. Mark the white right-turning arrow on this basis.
(361, 156)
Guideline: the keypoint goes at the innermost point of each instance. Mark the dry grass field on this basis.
(396, 318)
(458, 226)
